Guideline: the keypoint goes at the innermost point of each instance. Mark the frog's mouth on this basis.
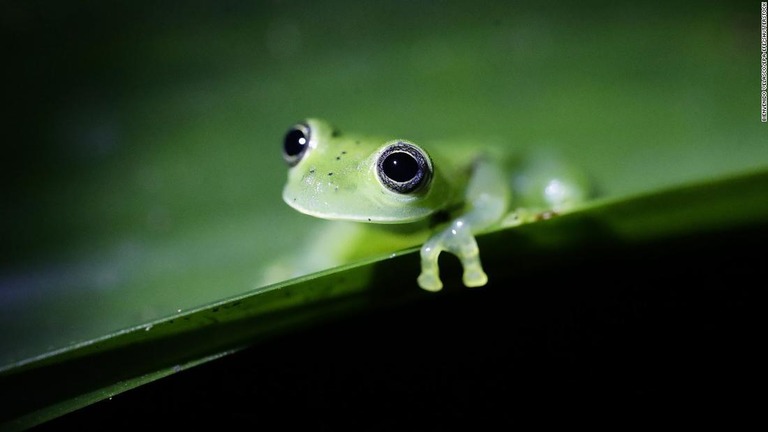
(357, 206)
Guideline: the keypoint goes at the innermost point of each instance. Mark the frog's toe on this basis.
(430, 282)
(475, 277)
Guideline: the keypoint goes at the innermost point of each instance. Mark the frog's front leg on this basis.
(459, 240)
(486, 200)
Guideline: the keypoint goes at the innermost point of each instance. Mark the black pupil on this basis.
(295, 141)
(400, 167)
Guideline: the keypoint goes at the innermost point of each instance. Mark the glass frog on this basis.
(407, 193)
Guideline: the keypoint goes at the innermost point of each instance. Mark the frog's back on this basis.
(538, 179)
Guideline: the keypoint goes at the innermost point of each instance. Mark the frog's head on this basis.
(349, 177)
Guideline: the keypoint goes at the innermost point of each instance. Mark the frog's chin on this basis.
(367, 214)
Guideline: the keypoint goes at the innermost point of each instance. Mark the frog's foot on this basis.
(430, 280)
(474, 276)
(457, 239)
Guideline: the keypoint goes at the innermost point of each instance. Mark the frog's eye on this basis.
(404, 168)
(296, 143)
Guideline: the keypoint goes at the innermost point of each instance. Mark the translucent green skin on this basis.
(337, 179)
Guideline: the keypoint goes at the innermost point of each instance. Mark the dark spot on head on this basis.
(312, 171)
(369, 219)
(330, 173)
(335, 133)
(338, 157)
(343, 152)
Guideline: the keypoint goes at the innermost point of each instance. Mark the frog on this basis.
(401, 193)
